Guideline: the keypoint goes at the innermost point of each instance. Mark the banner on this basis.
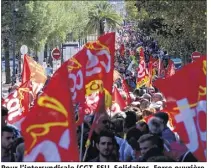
(185, 93)
(126, 90)
(18, 103)
(35, 73)
(118, 103)
(170, 69)
(100, 66)
(49, 129)
(142, 77)
(90, 72)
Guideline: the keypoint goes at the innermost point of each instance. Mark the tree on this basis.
(178, 26)
(99, 14)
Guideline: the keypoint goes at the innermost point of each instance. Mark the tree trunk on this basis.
(101, 28)
(19, 62)
(61, 51)
(7, 61)
(46, 52)
(50, 60)
(36, 57)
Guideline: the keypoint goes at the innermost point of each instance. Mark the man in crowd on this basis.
(106, 145)
(4, 114)
(150, 146)
(7, 140)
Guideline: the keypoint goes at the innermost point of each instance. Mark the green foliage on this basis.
(98, 14)
(178, 26)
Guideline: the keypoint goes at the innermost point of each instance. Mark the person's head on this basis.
(7, 137)
(105, 143)
(160, 159)
(163, 116)
(102, 123)
(148, 141)
(4, 114)
(156, 125)
(20, 152)
(151, 90)
(130, 119)
(143, 127)
(144, 103)
(147, 96)
(157, 97)
(133, 133)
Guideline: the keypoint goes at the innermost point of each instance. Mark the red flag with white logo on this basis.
(18, 103)
(142, 77)
(125, 88)
(91, 72)
(118, 102)
(185, 93)
(49, 129)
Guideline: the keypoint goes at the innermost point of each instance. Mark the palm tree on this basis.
(99, 14)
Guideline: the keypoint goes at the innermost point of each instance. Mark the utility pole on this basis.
(14, 10)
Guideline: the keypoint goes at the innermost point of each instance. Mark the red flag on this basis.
(100, 66)
(118, 102)
(18, 103)
(141, 52)
(170, 69)
(150, 74)
(186, 103)
(91, 72)
(142, 77)
(126, 90)
(49, 129)
(99, 111)
(34, 72)
(122, 50)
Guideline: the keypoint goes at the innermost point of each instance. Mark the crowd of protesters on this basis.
(125, 136)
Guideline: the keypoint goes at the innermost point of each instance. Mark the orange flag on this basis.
(34, 72)
(49, 129)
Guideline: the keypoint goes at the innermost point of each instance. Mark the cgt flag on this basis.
(118, 102)
(35, 73)
(49, 129)
(18, 103)
(142, 77)
(186, 104)
(90, 72)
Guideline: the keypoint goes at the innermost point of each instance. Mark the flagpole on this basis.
(81, 142)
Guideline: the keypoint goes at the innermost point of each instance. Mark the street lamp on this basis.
(14, 10)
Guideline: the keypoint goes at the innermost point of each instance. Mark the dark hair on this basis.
(153, 152)
(154, 139)
(164, 116)
(106, 133)
(133, 132)
(4, 111)
(130, 119)
(6, 129)
(160, 159)
(142, 123)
